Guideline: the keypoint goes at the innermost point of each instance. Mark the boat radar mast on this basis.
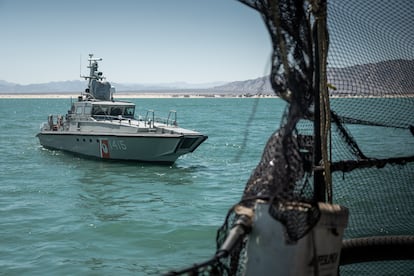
(98, 88)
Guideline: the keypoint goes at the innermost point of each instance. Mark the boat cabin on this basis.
(102, 110)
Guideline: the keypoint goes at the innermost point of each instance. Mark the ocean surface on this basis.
(61, 214)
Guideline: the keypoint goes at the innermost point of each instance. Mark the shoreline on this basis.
(169, 96)
(128, 96)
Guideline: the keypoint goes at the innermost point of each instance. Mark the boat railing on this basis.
(150, 118)
(55, 122)
(171, 120)
(110, 117)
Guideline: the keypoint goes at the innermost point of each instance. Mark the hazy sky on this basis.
(140, 41)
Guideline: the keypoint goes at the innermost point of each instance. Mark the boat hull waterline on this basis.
(129, 147)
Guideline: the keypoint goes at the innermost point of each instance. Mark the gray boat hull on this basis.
(159, 148)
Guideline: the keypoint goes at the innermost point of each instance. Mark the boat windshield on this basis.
(124, 111)
(129, 112)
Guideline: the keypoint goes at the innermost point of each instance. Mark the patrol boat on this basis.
(98, 126)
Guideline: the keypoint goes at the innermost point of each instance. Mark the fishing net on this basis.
(357, 99)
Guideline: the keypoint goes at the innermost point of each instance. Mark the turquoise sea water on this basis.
(64, 215)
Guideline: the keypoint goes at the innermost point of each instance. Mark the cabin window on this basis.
(79, 110)
(129, 112)
(88, 109)
(116, 111)
(99, 110)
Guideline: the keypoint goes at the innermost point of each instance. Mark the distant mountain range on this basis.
(393, 76)
(79, 85)
(382, 77)
(255, 86)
